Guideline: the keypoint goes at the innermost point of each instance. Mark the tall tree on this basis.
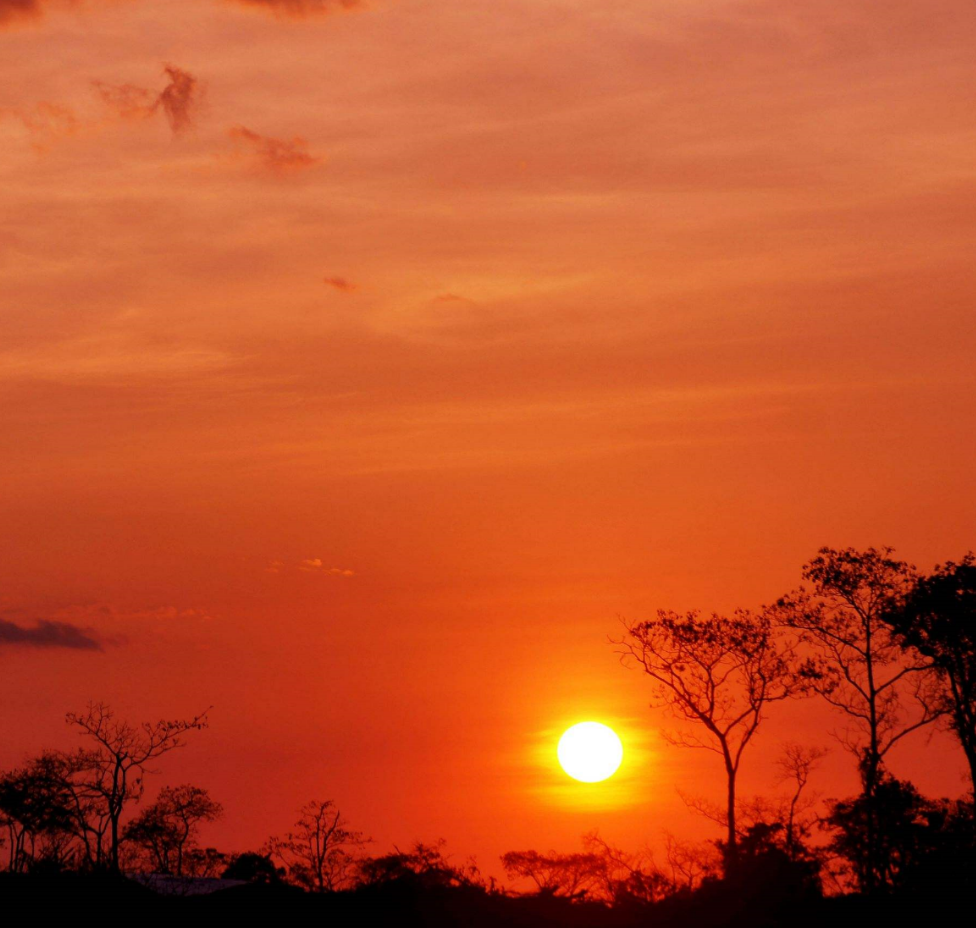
(112, 769)
(722, 674)
(938, 619)
(885, 692)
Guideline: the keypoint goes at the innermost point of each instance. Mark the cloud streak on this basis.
(48, 634)
(301, 9)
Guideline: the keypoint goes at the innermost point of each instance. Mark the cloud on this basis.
(315, 565)
(11, 10)
(276, 155)
(341, 283)
(178, 100)
(128, 100)
(299, 9)
(45, 122)
(48, 634)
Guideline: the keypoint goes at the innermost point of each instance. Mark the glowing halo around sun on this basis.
(590, 752)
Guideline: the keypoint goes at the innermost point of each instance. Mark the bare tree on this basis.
(626, 876)
(110, 773)
(722, 674)
(167, 830)
(688, 864)
(319, 852)
(885, 691)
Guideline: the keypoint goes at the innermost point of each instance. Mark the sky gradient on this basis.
(362, 364)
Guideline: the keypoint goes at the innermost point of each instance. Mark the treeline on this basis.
(893, 652)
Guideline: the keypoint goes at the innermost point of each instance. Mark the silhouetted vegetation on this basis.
(891, 650)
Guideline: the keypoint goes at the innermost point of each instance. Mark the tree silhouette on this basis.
(722, 674)
(570, 875)
(938, 619)
(167, 830)
(868, 674)
(916, 842)
(109, 774)
(318, 853)
(424, 865)
(36, 812)
(253, 867)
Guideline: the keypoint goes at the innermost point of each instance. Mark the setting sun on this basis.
(590, 752)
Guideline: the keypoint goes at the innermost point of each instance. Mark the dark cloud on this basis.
(47, 634)
(14, 11)
(178, 100)
(280, 156)
(11, 10)
(299, 9)
(341, 283)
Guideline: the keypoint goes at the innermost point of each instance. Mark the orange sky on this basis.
(360, 371)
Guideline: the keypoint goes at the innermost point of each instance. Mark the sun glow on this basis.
(590, 752)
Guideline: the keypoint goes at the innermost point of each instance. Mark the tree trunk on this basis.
(731, 845)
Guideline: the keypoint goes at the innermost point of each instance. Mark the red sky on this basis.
(359, 372)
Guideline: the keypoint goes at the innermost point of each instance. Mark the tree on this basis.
(626, 877)
(722, 674)
(917, 843)
(36, 813)
(425, 865)
(689, 865)
(167, 830)
(110, 774)
(569, 875)
(783, 821)
(318, 854)
(937, 619)
(796, 765)
(867, 675)
(253, 867)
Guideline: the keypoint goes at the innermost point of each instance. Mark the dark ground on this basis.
(24, 898)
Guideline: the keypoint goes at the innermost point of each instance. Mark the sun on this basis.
(590, 752)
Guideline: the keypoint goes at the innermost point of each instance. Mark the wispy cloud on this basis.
(279, 156)
(48, 634)
(45, 123)
(310, 565)
(299, 9)
(341, 283)
(178, 100)
(317, 565)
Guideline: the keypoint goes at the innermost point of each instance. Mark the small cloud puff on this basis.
(277, 156)
(315, 565)
(341, 283)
